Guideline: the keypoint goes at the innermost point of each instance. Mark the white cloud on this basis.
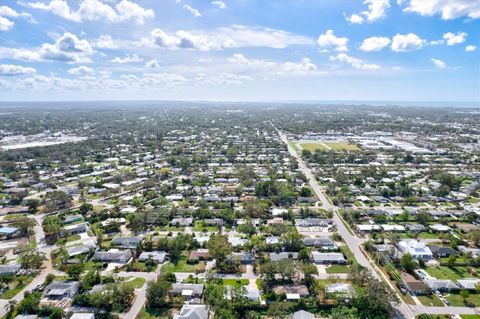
(5, 24)
(470, 48)
(12, 70)
(96, 10)
(355, 62)
(439, 63)
(194, 12)
(374, 44)
(219, 4)
(105, 42)
(68, 48)
(152, 64)
(376, 10)
(328, 40)
(81, 70)
(448, 9)
(127, 59)
(226, 37)
(266, 68)
(406, 42)
(453, 39)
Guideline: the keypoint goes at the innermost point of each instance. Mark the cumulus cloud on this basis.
(81, 70)
(5, 24)
(374, 44)
(95, 10)
(470, 48)
(7, 12)
(328, 41)
(194, 12)
(376, 10)
(67, 48)
(267, 68)
(226, 37)
(438, 63)
(453, 39)
(12, 70)
(355, 62)
(127, 59)
(219, 4)
(448, 9)
(105, 42)
(406, 42)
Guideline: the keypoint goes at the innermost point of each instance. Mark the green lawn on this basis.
(200, 227)
(235, 282)
(470, 316)
(135, 283)
(448, 273)
(456, 300)
(73, 237)
(337, 269)
(432, 300)
(182, 266)
(10, 293)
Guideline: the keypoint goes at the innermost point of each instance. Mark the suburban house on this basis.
(157, 257)
(57, 291)
(440, 284)
(113, 256)
(187, 291)
(193, 312)
(302, 314)
(440, 251)
(327, 258)
(11, 269)
(283, 255)
(416, 249)
(413, 285)
(127, 242)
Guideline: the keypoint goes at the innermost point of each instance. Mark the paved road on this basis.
(354, 243)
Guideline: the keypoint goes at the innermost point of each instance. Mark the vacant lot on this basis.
(342, 146)
(448, 273)
(313, 146)
(432, 300)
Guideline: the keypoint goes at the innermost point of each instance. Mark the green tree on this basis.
(219, 247)
(407, 262)
(157, 292)
(52, 226)
(31, 259)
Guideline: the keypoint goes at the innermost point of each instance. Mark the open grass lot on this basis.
(470, 316)
(337, 269)
(313, 146)
(135, 283)
(456, 300)
(235, 282)
(182, 266)
(148, 313)
(448, 273)
(342, 146)
(432, 300)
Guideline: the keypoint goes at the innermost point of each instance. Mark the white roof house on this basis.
(416, 249)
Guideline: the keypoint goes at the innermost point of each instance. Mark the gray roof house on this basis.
(187, 290)
(302, 314)
(11, 269)
(61, 290)
(183, 221)
(324, 243)
(440, 284)
(127, 242)
(243, 257)
(327, 258)
(156, 256)
(193, 312)
(113, 256)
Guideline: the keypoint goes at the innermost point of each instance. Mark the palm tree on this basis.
(10, 307)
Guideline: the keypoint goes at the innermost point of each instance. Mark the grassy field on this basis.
(182, 266)
(456, 300)
(448, 273)
(470, 316)
(432, 300)
(342, 146)
(337, 269)
(313, 146)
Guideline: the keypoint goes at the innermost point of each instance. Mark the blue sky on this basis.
(246, 50)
